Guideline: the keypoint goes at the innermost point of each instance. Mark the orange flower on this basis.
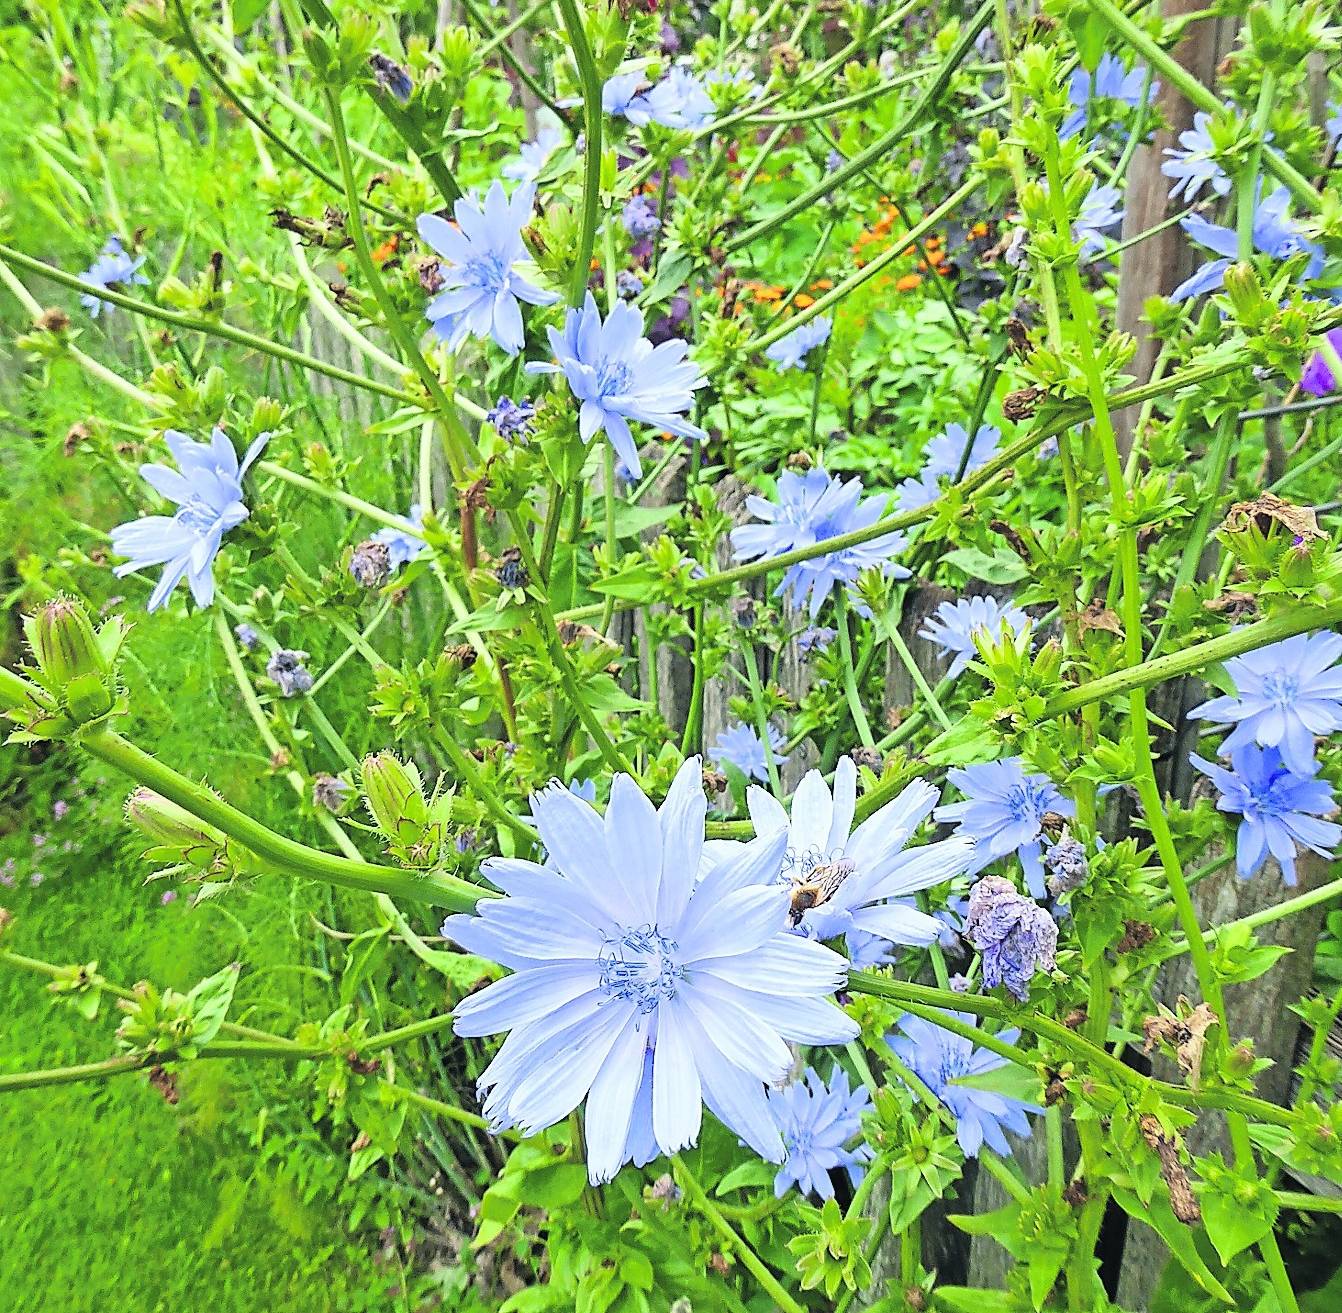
(801, 300)
(822, 285)
(980, 229)
(945, 268)
(907, 283)
(766, 292)
(388, 248)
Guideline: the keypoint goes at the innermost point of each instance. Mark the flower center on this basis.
(198, 515)
(639, 964)
(1026, 802)
(488, 271)
(1281, 687)
(613, 378)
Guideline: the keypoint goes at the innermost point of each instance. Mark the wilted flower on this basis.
(1275, 234)
(814, 638)
(1195, 163)
(790, 352)
(1099, 210)
(636, 986)
(480, 256)
(740, 746)
(370, 564)
(286, 669)
(1003, 813)
(112, 269)
(1279, 807)
(618, 376)
(247, 636)
(954, 625)
(1286, 693)
(402, 547)
(1015, 936)
(331, 792)
(534, 154)
(628, 285)
(1110, 81)
(1067, 866)
(811, 508)
(207, 487)
(843, 879)
(818, 1123)
(511, 419)
(640, 217)
(939, 1058)
(391, 77)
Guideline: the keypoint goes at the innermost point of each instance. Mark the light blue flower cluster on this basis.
(1100, 210)
(678, 100)
(740, 746)
(939, 1058)
(1194, 163)
(636, 979)
(1003, 813)
(813, 507)
(1279, 808)
(1275, 234)
(1286, 694)
(618, 376)
(853, 879)
(113, 268)
(207, 487)
(945, 456)
(402, 547)
(818, 1123)
(1111, 81)
(954, 627)
(480, 259)
(790, 352)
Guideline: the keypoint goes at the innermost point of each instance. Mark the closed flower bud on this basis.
(64, 643)
(393, 796)
(1245, 292)
(174, 833)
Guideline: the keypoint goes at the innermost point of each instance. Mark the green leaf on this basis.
(637, 581)
(246, 12)
(1233, 1226)
(1008, 1079)
(970, 1299)
(490, 617)
(602, 693)
(755, 1172)
(210, 1001)
(555, 1186)
(1002, 567)
(1159, 1216)
(630, 520)
(969, 741)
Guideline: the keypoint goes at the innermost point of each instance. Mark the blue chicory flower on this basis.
(939, 1059)
(818, 1123)
(640, 217)
(1015, 936)
(1274, 234)
(1334, 128)
(1003, 813)
(402, 547)
(207, 487)
(850, 875)
(1098, 211)
(1318, 378)
(790, 352)
(639, 988)
(1111, 81)
(814, 638)
(740, 746)
(811, 508)
(534, 154)
(618, 376)
(1279, 808)
(1285, 694)
(391, 77)
(1195, 163)
(113, 268)
(953, 626)
(943, 456)
(480, 259)
(677, 101)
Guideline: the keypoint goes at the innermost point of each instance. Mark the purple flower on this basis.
(790, 352)
(167, 897)
(811, 508)
(740, 746)
(391, 77)
(1280, 808)
(479, 265)
(953, 626)
(402, 546)
(1098, 211)
(640, 217)
(1318, 378)
(511, 419)
(1110, 81)
(618, 376)
(247, 636)
(1003, 813)
(1015, 936)
(849, 876)
(60, 809)
(534, 154)
(939, 1059)
(207, 487)
(814, 638)
(286, 669)
(1286, 693)
(1195, 164)
(819, 1123)
(1274, 234)
(638, 988)
(112, 269)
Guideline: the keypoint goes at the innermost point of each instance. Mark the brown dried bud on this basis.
(871, 758)
(54, 320)
(1076, 1195)
(915, 1298)
(799, 460)
(461, 654)
(1233, 605)
(1182, 1202)
(362, 1066)
(6, 919)
(1268, 509)
(76, 434)
(165, 1082)
(1136, 936)
(1054, 1092)
(1099, 616)
(1075, 1019)
(787, 57)
(731, 291)
(1022, 403)
(431, 277)
(361, 1141)
(279, 760)
(719, 1264)
(1018, 337)
(714, 781)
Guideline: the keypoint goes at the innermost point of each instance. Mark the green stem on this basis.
(467, 770)
(850, 689)
(761, 714)
(590, 80)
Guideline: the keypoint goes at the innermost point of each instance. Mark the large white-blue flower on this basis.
(207, 487)
(480, 259)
